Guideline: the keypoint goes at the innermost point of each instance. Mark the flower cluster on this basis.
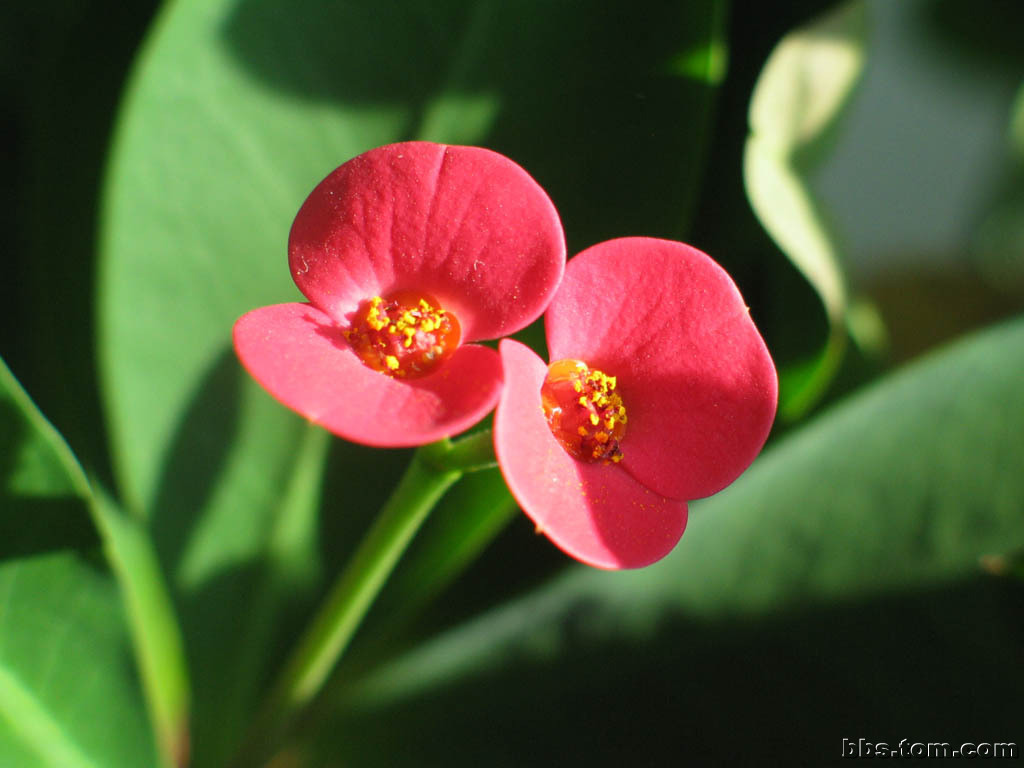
(660, 388)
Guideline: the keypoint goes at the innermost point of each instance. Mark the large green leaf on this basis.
(805, 82)
(833, 591)
(67, 697)
(46, 505)
(235, 111)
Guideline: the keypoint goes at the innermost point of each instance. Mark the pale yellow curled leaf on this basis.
(787, 211)
(804, 84)
(808, 77)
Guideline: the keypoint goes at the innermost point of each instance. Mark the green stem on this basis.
(418, 491)
(433, 469)
(467, 454)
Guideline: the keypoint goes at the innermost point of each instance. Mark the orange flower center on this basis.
(584, 411)
(406, 335)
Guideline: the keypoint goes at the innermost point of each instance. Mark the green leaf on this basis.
(67, 698)
(844, 569)
(155, 631)
(235, 111)
(41, 466)
(42, 489)
(802, 88)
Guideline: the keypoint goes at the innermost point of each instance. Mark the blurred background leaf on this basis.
(834, 591)
(919, 179)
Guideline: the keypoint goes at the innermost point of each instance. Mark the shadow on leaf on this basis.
(628, 89)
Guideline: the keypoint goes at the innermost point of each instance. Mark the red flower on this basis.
(661, 390)
(406, 253)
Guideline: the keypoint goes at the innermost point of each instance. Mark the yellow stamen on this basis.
(584, 411)
(405, 335)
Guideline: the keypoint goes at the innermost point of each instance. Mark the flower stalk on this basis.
(434, 468)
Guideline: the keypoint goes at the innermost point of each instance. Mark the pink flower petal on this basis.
(299, 356)
(464, 224)
(697, 381)
(596, 513)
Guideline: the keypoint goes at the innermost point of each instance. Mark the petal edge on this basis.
(464, 224)
(296, 353)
